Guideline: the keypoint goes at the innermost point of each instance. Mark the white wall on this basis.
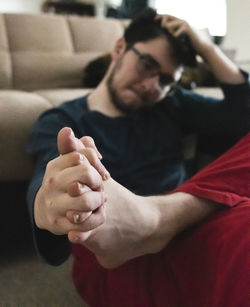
(238, 28)
(20, 6)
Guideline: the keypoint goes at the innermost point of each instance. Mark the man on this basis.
(204, 266)
(139, 139)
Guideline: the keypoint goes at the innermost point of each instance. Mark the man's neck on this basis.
(100, 100)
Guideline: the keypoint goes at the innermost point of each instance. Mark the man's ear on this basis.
(119, 48)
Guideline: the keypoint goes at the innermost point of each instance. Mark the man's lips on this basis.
(143, 96)
(134, 91)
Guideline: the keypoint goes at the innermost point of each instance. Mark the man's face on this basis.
(141, 75)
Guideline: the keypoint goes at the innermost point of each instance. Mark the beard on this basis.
(117, 100)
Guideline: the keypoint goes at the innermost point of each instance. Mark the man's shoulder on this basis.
(68, 111)
(75, 105)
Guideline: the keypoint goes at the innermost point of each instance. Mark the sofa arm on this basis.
(18, 110)
(215, 92)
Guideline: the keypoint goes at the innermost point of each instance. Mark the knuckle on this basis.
(49, 165)
(75, 158)
(55, 221)
(93, 158)
(91, 155)
(55, 226)
(92, 179)
(91, 152)
(89, 140)
(83, 216)
(49, 182)
(91, 201)
(74, 188)
(88, 204)
(84, 168)
(49, 203)
(89, 175)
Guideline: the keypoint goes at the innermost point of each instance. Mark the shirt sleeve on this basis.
(206, 115)
(227, 179)
(42, 146)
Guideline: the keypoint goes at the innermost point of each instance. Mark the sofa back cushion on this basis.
(50, 51)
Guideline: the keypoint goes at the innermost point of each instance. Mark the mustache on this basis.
(143, 95)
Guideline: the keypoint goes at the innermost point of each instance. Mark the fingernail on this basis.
(99, 155)
(72, 133)
(76, 218)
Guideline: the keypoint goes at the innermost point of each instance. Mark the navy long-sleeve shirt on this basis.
(142, 151)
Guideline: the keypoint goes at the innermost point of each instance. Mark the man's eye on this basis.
(147, 65)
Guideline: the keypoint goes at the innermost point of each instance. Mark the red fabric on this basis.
(204, 266)
(227, 179)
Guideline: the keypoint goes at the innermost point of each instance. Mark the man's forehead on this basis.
(160, 42)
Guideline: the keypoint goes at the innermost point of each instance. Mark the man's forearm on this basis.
(222, 67)
(177, 212)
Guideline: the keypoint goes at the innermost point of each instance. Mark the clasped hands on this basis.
(71, 200)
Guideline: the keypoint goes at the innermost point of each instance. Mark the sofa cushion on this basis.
(215, 92)
(49, 51)
(38, 33)
(36, 70)
(19, 111)
(93, 34)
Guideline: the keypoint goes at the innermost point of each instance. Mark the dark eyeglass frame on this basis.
(148, 67)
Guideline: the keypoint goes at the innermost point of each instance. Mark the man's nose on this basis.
(151, 84)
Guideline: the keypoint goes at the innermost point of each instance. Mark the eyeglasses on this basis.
(148, 67)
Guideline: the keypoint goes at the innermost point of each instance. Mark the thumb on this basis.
(67, 142)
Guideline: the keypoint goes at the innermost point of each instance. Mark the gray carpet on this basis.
(26, 281)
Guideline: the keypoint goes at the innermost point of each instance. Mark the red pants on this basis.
(206, 266)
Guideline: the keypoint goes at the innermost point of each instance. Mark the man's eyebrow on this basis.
(151, 58)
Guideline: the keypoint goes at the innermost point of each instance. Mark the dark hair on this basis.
(95, 70)
(146, 27)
